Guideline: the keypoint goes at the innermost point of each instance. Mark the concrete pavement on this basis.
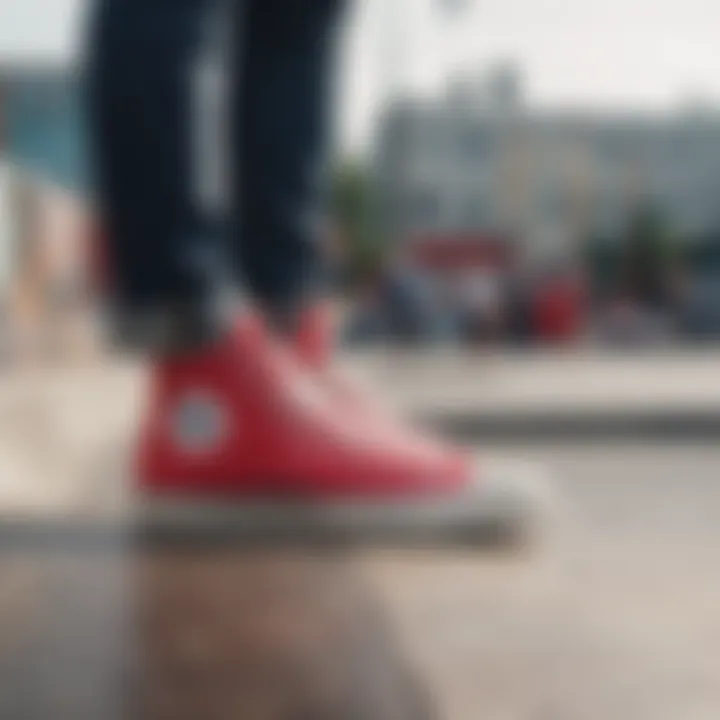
(618, 619)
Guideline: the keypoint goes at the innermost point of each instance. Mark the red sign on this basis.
(457, 252)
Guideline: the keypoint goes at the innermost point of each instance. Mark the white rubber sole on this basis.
(509, 504)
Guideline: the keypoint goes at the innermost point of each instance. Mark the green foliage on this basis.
(353, 203)
(640, 262)
(651, 251)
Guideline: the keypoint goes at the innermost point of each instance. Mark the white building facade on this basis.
(480, 161)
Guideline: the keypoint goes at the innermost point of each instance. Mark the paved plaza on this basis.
(616, 615)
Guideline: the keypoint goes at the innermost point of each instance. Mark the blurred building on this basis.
(44, 223)
(41, 150)
(481, 163)
(41, 121)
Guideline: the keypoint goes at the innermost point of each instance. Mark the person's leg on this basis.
(281, 118)
(163, 252)
(251, 418)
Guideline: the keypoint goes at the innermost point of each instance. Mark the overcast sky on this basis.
(648, 53)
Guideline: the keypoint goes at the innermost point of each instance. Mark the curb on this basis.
(554, 425)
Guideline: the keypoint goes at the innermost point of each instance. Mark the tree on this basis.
(353, 214)
(651, 253)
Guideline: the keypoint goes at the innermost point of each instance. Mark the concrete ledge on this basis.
(619, 426)
(545, 395)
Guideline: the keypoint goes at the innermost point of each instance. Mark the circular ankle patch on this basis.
(199, 423)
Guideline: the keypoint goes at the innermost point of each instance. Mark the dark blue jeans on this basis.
(165, 245)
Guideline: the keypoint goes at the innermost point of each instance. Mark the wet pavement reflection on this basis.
(133, 629)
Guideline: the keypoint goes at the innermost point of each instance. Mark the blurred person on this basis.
(518, 306)
(559, 305)
(699, 306)
(366, 318)
(480, 300)
(245, 404)
(407, 304)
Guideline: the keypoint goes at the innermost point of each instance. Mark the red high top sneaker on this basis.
(314, 344)
(246, 428)
(503, 484)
